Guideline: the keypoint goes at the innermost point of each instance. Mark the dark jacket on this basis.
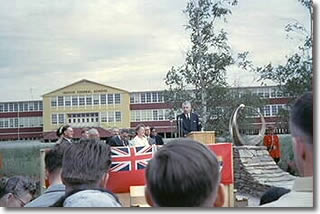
(158, 139)
(185, 126)
(116, 141)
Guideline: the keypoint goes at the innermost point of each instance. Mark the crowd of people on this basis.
(182, 173)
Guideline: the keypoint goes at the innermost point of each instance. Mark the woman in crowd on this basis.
(16, 191)
(139, 139)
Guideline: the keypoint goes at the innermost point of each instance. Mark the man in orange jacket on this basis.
(271, 141)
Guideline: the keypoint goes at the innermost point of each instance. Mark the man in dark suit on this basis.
(120, 140)
(187, 121)
(155, 136)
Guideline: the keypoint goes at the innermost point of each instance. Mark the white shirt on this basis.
(301, 195)
(137, 141)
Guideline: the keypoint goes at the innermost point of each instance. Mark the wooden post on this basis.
(42, 171)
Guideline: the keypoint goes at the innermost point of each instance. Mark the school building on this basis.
(89, 104)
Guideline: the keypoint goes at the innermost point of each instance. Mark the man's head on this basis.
(115, 131)
(86, 165)
(184, 173)
(147, 131)
(53, 163)
(153, 131)
(84, 133)
(124, 134)
(16, 191)
(65, 131)
(301, 126)
(93, 134)
(186, 107)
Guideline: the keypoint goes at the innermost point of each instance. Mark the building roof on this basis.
(88, 81)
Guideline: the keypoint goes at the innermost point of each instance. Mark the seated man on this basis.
(184, 173)
(53, 167)
(85, 173)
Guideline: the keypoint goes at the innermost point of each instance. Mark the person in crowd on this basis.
(93, 134)
(56, 189)
(16, 191)
(115, 131)
(147, 133)
(120, 140)
(187, 121)
(184, 173)
(65, 134)
(139, 139)
(85, 173)
(301, 127)
(84, 133)
(273, 194)
(155, 136)
(271, 141)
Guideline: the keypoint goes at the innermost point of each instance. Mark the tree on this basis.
(295, 76)
(202, 78)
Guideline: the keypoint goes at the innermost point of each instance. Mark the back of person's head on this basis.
(273, 194)
(93, 133)
(184, 173)
(301, 118)
(16, 191)
(85, 163)
(53, 158)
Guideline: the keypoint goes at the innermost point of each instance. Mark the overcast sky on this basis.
(129, 44)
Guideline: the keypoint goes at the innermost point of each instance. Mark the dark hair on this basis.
(139, 126)
(85, 162)
(152, 128)
(301, 117)
(53, 158)
(84, 130)
(124, 131)
(61, 130)
(183, 173)
(273, 194)
(18, 185)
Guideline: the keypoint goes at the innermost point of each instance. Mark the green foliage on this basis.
(202, 78)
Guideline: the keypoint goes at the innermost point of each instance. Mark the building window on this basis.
(61, 118)
(143, 98)
(154, 97)
(155, 114)
(31, 106)
(161, 97)
(54, 119)
(136, 98)
(36, 107)
(10, 107)
(89, 100)
(25, 106)
(74, 100)
(96, 99)
(132, 99)
(1, 107)
(148, 115)
(117, 98)
(104, 117)
(40, 106)
(1, 123)
(267, 111)
(138, 116)
(103, 99)
(274, 110)
(148, 97)
(67, 101)
(118, 116)
(110, 98)
(161, 115)
(143, 115)
(5, 107)
(279, 93)
(53, 101)
(60, 100)
(110, 116)
(81, 101)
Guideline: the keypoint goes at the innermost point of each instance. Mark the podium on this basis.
(205, 137)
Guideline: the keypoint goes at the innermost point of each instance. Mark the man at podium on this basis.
(187, 121)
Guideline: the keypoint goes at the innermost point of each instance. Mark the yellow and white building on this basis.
(86, 104)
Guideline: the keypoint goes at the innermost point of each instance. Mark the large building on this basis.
(21, 120)
(90, 104)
